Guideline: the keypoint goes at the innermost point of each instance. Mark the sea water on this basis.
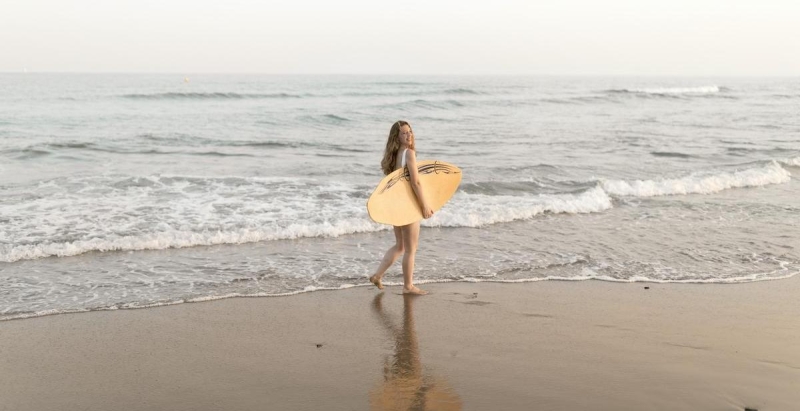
(123, 190)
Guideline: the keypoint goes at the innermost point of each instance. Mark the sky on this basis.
(444, 37)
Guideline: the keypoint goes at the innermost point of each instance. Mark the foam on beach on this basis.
(587, 276)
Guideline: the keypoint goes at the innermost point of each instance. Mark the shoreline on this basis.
(53, 312)
(590, 345)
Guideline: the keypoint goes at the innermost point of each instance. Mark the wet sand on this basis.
(586, 345)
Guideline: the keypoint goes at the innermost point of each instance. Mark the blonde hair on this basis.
(393, 144)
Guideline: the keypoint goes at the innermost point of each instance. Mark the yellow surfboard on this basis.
(394, 202)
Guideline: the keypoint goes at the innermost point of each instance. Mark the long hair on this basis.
(393, 144)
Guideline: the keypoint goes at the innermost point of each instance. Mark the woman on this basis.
(400, 153)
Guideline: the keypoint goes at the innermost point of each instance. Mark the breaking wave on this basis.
(699, 183)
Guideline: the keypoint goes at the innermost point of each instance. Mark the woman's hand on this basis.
(413, 174)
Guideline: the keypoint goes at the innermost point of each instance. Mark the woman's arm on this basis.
(416, 185)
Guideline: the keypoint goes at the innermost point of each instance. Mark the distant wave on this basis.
(460, 91)
(255, 96)
(772, 173)
(573, 101)
(670, 154)
(401, 83)
(785, 96)
(169, 145)
(452, 91)
(335, 117)
(325, 119)
(44, 150)
(431, 104)
(671, 90)
(27, 153)
(208, 96)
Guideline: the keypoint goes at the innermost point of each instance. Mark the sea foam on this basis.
(183, 238)
(791, 162)
(476, 210)
(701, 183)
(159, 212)
(241, 211)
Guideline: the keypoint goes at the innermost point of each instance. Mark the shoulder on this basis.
(411, 154)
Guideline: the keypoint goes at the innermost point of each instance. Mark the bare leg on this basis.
(392, 254)
(410, 241)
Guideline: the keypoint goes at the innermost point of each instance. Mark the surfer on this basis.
(399, 154)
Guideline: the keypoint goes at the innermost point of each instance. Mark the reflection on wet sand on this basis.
(406, 386)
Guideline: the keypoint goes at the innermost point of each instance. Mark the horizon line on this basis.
(186, 73)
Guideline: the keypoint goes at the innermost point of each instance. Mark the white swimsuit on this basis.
(403, 159)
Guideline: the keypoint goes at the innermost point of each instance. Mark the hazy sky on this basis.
(640, 37)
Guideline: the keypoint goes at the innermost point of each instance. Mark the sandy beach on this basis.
(586, 345)
(600, 197)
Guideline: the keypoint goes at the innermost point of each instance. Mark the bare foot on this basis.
(414, 290)
(377, 281)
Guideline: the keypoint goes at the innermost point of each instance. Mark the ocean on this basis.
(133, 190)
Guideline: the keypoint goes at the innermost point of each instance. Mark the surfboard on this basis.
(394, 202)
